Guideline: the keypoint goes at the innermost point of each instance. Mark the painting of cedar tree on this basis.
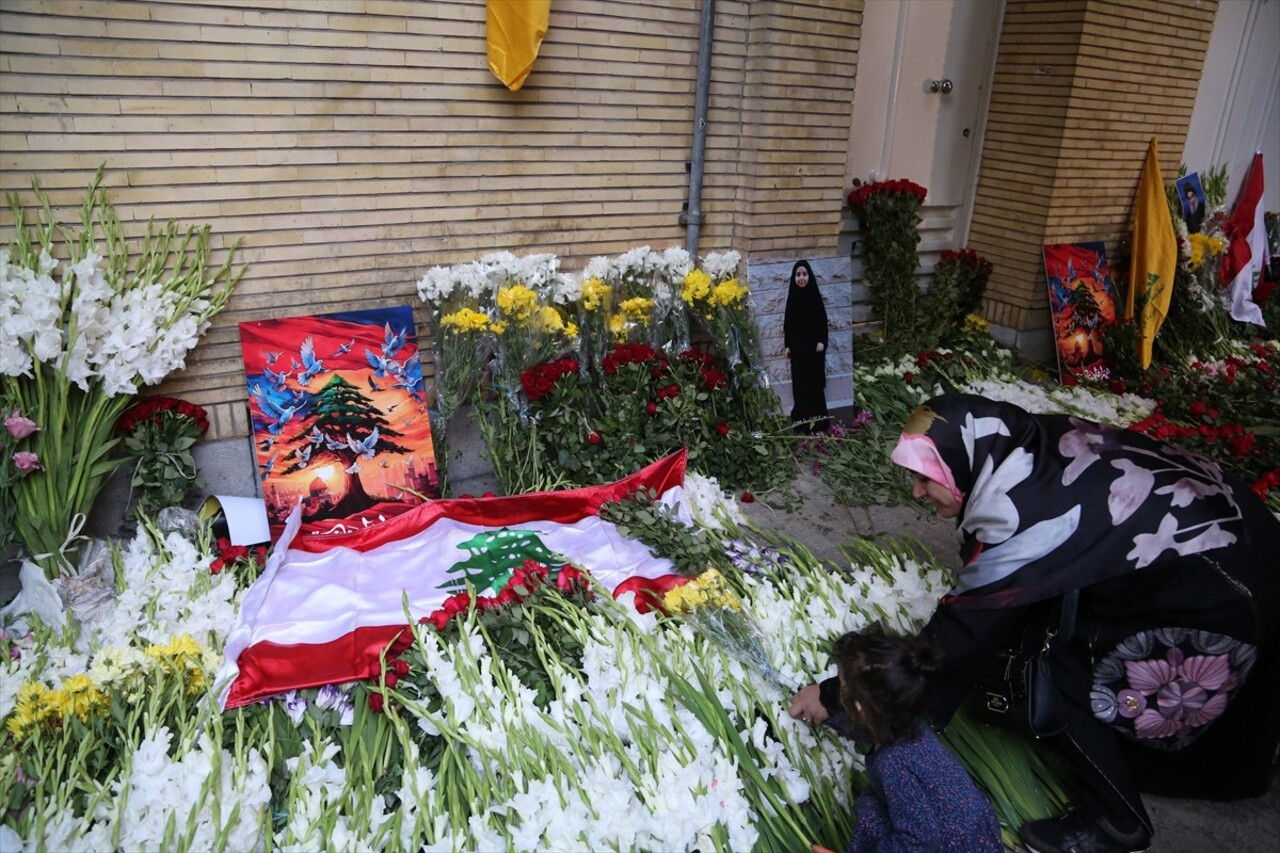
(1082, 302)
(339, 416)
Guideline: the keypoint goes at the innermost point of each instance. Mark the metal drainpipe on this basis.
(692, 216)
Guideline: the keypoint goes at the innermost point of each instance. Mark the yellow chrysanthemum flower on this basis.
(185, 658)
(549, 319)
(517, 302)
(30, 710)
(78, 697)
(975, 324)
(571, 330)
(465, 320)
(708, 590)
(637, 309)
(728, 293)
(697, 284)
(1204, 249)
(595, 293)
(497, 327)
(618, 326)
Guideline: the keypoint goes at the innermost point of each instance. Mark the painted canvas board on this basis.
(339, 418)
(1082, 301)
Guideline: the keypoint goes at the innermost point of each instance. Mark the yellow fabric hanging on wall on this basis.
(515, 32)
(1155, 253)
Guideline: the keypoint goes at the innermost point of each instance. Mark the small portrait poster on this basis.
(1191, 197)
(1082, 301)
(339, 418)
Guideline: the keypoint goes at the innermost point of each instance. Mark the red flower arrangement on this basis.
(966, 259)
(624, 354)
(522, 584)
(237, 556)
(539, 380)
(159, 433)
(153, 409)
(859, 196)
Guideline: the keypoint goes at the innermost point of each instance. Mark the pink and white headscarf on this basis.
(918, 453)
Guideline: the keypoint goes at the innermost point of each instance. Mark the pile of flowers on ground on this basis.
(547, 715)
(1221, 408)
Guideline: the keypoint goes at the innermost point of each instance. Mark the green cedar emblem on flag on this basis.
(495, 555)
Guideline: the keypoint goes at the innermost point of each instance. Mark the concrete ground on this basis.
(1182, 826)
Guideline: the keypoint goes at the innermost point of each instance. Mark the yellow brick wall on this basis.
(1080, 88)
(355, 143)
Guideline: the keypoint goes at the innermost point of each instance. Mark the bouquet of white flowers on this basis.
(80, 337)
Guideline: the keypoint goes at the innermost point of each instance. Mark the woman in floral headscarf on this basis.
(1169, 683)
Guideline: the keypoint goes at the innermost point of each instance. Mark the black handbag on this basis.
(1016, 691)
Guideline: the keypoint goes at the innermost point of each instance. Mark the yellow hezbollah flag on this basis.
(1155, 255)
(515, 29)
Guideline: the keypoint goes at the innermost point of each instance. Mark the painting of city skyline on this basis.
(339, 418)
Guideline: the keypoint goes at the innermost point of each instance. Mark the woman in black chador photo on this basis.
(804, 342)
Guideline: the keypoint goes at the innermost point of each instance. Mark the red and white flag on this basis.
(1246, 254)
(326, 606)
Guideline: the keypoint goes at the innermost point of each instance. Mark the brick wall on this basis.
(1080, 88)
(355, 143)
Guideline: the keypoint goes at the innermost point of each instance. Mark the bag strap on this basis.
(1067, 615)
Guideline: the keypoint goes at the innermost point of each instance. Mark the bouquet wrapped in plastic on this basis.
(714, 609)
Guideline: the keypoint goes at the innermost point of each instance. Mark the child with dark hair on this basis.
(918, 796)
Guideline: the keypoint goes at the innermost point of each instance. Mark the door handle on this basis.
(943, 86)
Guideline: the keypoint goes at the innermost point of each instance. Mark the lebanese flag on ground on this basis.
(325, 607)
(1246, 254)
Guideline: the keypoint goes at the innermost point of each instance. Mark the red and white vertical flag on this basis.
(1246, 254)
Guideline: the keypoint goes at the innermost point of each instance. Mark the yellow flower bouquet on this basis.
(712, 607)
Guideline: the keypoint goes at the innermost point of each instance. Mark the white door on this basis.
(924, 75)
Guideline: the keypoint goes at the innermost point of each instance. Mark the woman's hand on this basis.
(807, 706)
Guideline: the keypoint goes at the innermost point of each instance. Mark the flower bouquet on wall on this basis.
(80, 337)
(721, 304)
(460, 302)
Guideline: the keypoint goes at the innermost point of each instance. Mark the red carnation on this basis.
(375, 702)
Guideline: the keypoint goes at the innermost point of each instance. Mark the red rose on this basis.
(375, 702)
(722, 428)
(217, 566)
(440, 619)
(570, 578)
(401, 667)
(455, 604)
(402, 641)
(909, 377)
(652, 408)
(391, 679)
(748, 498)
(594, 438)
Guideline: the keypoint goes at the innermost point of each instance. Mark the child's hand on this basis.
(818, 848)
